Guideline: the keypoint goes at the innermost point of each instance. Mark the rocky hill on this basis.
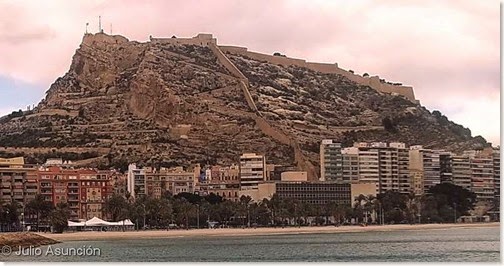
(183, 101)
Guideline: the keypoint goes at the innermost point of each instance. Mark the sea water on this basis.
(453, 244)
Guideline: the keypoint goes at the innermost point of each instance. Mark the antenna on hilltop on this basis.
(110, 28)
(87, 24)
(100, 30)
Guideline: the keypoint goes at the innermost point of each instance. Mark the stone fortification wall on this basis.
(224, 61)
(102, 39)
(264, 126)
(202, 39)
(373, 82)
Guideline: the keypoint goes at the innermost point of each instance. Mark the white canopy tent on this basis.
(126, 222)
(75, 224)
(95, 221)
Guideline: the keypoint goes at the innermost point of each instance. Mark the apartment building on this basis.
(350, 164)
(369, 164)
(461, 171)
(386, 165)
(149, 181)
(18, 181)
(331, 161)
(446, 167)
(252, 170)
(482, 178)
(496, 174)
(222, 181)
(427, 162)
(84, 190)
(136, 181)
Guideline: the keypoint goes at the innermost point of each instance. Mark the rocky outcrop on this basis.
(25, 239)
(178, 102)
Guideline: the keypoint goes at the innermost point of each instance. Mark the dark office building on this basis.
(318, 193)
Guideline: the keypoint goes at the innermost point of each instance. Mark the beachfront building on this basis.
(496, 173)
(18, 181)
(461, 171)
(386, 165)
(252, 170)
(331, 161)
(84, 190)
(446, 167)
(482, 178)
(173, 180)
(149, 181)
(350, 164)
(136, 181)
(427, 162)
(222, 181)
(321, 193)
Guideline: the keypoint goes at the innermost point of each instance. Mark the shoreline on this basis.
(233, 232)
(13, 240)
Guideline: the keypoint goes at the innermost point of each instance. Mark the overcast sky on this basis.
(447, 50)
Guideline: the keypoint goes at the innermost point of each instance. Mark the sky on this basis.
(447, 50)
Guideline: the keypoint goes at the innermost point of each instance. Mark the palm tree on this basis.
(184, 210)
(11, 211)
(370, 206)
(117, 207)
(245, 202)
(40, 207)
(59, 217)
(275, 206)
(330, 210)
(359, 207)
(412, 207)
(306, 209)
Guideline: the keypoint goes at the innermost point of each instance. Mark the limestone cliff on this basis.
(183, 101)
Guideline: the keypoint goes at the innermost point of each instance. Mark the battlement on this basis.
(102, 38)
(203, 39)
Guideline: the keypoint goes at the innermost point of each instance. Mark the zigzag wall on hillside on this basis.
(263, 125)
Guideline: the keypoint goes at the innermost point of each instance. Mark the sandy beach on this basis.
(95, 235)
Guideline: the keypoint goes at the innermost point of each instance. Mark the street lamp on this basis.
(248, 216)
(454, 212)
(197, 214)
(22, 221)
(144, 215)
(8, 222)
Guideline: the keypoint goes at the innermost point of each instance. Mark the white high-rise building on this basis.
(252, 170)
(331, 161)
(136, 181)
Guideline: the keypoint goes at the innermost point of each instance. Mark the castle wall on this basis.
(226, 62)
(373, 82)
(202, 39)
(102, 38)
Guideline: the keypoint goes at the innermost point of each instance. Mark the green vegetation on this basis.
(443, 203)
(39, 209)
(59, 217)
(9, 216)
(389, 124)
